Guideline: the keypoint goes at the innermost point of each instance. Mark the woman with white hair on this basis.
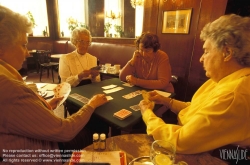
(219, 112)
(75, 67)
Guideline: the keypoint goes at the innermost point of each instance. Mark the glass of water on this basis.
(162, 153)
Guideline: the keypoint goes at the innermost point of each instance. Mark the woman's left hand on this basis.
(145, 105)
(55, 101)
(131, 79)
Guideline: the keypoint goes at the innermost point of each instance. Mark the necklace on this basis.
(144, 66)
(80, 61)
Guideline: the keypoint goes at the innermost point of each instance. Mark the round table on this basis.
(137, 145)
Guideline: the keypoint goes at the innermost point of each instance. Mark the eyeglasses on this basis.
(83, 42)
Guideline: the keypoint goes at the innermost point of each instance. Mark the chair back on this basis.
(43, 56)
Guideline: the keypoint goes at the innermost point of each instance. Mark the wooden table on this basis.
(137, 145)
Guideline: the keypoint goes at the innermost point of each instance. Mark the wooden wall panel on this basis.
(184, 50)
(210, 10)
(179, 47)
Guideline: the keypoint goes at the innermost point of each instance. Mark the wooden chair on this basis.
(44, 61)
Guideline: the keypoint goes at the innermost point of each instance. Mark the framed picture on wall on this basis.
(177, 21)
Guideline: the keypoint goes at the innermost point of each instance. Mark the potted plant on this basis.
(31, 18)
(45, 34)
(62, 33)
(107, 27)
(118, 29)
(72, 23)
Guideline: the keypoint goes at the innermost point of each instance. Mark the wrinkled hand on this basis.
(83, 74)
(97, 100)
(144, 105)
(131, 79)
(157, 98)
(55, 101)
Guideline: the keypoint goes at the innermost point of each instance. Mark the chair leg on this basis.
(41, 71)
(48, 72)
(59, 79)
(52, 73)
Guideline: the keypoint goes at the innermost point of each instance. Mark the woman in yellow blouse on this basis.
(219, 112)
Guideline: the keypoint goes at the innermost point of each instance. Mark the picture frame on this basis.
(177, 21)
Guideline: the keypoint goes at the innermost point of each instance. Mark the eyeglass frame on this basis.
(83, 42)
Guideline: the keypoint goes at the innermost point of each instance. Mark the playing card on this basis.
(122, 114)
(62, 89)
(109, 86)
(145, 95)
(79, 98)
(128, 85)
(132, 94)
(109, 98)
(113, 90)
(135, 107)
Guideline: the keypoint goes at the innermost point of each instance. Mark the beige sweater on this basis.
(26, 124)
(158, 77)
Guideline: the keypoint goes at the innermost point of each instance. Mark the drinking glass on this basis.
(107, 66)
(163, 153)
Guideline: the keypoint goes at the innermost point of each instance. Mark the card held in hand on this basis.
(122, 114)
(145, 95)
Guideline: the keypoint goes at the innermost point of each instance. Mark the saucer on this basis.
(145, 160)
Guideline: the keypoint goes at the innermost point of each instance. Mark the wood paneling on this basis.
(184, 50)
(209, 11)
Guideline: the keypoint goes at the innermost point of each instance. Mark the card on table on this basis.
(109, 86)
(132, 94)
(109, 98)
(113, 90)
(122, 114)
(128, 85)
(79, 98)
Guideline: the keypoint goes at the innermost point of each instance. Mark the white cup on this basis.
(107, 66)
(117, 68)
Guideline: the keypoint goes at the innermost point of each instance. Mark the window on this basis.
(38, 9)
(114, 17)
(75, 12)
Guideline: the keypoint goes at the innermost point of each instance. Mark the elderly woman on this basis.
(26, 121)
(149, 67)
(75, 67)
(219, 112)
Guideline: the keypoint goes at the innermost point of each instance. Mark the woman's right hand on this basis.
(157, 98)
(97, 100)
(83, 74)
(135, 56)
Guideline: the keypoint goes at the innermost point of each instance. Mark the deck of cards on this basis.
(122, 114)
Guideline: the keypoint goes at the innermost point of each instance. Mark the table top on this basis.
(137, 145)
(107, 110)
(56, 55)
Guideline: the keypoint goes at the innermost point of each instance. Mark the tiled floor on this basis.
(33, 76)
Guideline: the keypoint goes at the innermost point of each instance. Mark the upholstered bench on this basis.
(109, 52)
